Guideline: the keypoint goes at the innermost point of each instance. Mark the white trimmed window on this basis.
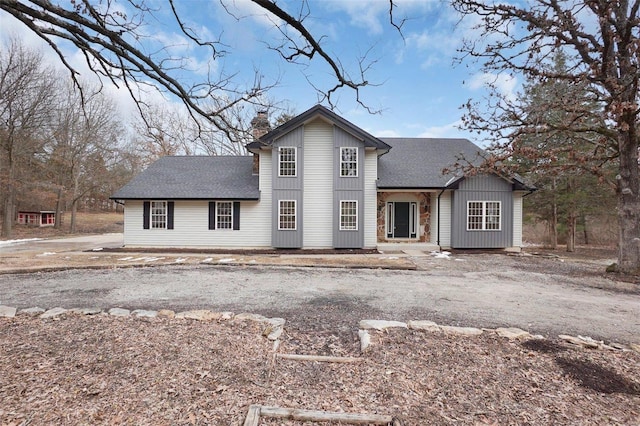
(483, 215)
(158, 215)
(349, 162)
(224, 215)
(348, 215)
(286, 161)
(287, 215)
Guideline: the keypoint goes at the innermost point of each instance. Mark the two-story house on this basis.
(319, 181)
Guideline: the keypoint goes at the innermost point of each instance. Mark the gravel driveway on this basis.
(540, 295)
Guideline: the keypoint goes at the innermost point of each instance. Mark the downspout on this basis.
(438, 241)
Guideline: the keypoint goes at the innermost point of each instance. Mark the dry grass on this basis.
(87, 223)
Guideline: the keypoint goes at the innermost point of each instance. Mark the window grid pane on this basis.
(287, 214)
(158, 214)
(287, 161)
(348, 215)
(349, 162)
(483, 215)
(224, 215)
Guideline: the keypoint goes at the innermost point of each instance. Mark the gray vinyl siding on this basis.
(350, 238)
(482, 188)
(287, 238)
(288, 188)
(348, 189)
(343, 139)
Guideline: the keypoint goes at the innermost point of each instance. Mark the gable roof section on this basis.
(310, 114)
(194, 178)
(418, 162)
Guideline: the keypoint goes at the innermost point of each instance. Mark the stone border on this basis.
(274, 327)
(511, 333)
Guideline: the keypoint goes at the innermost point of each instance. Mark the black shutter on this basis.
(212, 215)
(146, 214)
(236, 215)
(170, 214)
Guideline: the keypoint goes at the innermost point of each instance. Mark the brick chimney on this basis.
(259, 127)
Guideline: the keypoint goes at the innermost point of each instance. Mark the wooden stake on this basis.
(324, 416)
(319, 358)
(253, 416)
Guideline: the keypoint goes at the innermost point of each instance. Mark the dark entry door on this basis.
(401, 220)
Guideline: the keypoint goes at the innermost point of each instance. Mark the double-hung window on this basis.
(287, 161)
(287, 215)
(348, 215)
(483, 215)
(224, 215)
(349, 162)
(158, 215)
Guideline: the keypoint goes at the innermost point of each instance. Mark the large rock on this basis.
(200, 315)
(423, 325)
(142, 313)
(31, 311)
(585, 343)
(166, 313)
(54, 312)
(119, 312)
(250, 317)
(465, 331)
(86, 311)
(512, 333)
(369, 324)
(7, 311)
(365, 339)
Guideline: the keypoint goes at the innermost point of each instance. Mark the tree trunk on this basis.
(629, 204)
(74, 209)
(571, 217)
(553, 227)
(583, 222)
(7, 222)
(58, 209)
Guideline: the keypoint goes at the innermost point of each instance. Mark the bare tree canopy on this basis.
(113, 37)
(603, 36)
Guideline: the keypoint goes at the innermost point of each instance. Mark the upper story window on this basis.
(349, 162)
(158, 214)
(483, 215)
(286, 161)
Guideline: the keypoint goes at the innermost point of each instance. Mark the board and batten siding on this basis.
(517, 218)
(317, 204)
(482, 188)
(348, 188)
(443, 217)
(370, 199)
(191, 227)
(288, 188)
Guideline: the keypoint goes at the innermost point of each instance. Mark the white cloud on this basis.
(505, 84)
(446, 131)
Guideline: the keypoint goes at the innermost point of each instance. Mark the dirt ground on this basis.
(108, 370)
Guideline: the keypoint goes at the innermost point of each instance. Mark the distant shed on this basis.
(37, 218)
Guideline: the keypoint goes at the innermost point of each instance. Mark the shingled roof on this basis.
(418, 162)
(194, 177)
(267, 140)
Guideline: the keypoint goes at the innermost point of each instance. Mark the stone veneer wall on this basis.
(424, 200)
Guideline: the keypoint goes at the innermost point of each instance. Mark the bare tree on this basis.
(603, 35)
(82, 135)
(111, 36)
(27, 88)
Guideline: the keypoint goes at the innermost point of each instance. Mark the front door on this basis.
(401, 220)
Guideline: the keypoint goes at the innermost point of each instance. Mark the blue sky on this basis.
(419, 87)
